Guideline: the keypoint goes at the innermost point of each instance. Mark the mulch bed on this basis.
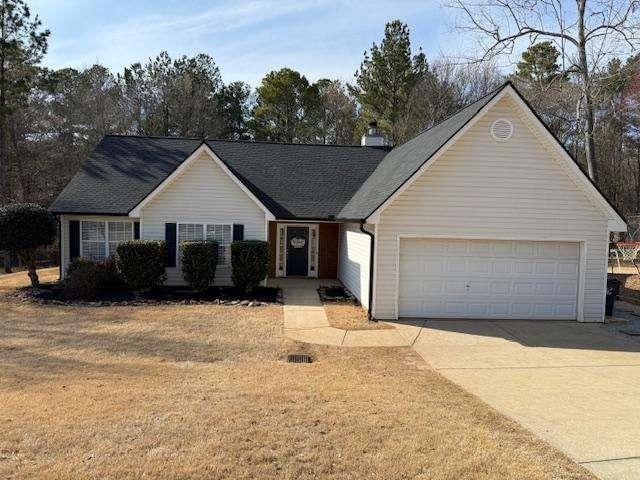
(336, 294)
(53, 294)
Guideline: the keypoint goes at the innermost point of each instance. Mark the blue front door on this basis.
(298, 251)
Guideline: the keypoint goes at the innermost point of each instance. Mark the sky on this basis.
(246, 38)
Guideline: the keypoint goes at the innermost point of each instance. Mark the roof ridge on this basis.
(460, 110)
(271, 142)
(120, 135)
(227, 140)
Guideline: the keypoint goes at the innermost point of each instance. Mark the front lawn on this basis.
(194, 391)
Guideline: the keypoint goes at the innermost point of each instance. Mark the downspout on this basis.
(61, 273)
(371, 236)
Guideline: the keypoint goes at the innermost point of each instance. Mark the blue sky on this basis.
(320, 38)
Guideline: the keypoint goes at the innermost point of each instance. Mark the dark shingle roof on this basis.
(300, 181)
(291, 180)
(403, 161)
(120, 173)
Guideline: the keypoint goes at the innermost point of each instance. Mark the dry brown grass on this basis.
(20, 279)
(350, 317)
(201, 392)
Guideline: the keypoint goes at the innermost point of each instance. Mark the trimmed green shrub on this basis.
(85, 279)
(199, 260)
(250, 263)
(110, 278)
(23, 228)
(141, 263)
(82, 280)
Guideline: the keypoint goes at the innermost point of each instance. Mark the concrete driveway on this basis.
(575, 385)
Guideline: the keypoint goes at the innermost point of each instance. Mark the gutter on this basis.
(371, 252)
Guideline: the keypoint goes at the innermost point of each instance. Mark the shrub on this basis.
(250, 263)
(85, 279)
(141, 263)
(199, 261)
(23, 228)
(82, 280)
(110, 278)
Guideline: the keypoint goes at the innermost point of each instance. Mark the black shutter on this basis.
(74, 239)
(170, 240)
(238, 232)
(136, 230)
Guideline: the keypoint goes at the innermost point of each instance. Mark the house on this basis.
(484, 215)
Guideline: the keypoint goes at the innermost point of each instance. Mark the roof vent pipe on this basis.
(373, 137)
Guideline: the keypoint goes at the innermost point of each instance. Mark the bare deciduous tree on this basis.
(586, 32)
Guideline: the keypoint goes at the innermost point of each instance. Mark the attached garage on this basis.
(501, 279)
(486, 216)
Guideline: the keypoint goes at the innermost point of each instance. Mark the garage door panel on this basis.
(488, 279)
(568, 268)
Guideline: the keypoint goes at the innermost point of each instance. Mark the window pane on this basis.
(222, 235)
(95, 251)
(92, 231)
(120, 232)
(189, 231)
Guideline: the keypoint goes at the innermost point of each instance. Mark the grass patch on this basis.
(350, 317)
(204, 392)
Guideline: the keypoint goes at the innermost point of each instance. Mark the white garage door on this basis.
(488, 279)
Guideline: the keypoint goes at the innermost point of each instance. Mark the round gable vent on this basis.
(502, 130)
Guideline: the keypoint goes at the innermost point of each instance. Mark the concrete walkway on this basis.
(575, 385)
(305, 320)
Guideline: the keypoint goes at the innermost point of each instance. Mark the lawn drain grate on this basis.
(299, 358)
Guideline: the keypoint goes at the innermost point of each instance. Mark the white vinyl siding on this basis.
(119, 228)
(484, 189)
(354, 261)
(203, 194)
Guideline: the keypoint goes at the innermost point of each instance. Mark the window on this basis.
(99, 240)
(221, 233)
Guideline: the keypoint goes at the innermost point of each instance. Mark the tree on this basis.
(24, 227)
(338, 112)
(387, 76)
(22, 45)
(233, 105)
(539, 63)
(538, 76)
(180, 97)
(586, 33)
(286, 108)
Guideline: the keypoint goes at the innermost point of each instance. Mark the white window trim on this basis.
(204, 237)
(311, 260)
(107, 251)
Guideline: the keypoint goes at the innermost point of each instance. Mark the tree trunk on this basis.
(3, 116)
(33, 275)
(587, 112)
(7, 263)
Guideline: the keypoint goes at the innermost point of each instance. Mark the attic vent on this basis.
(501, 130)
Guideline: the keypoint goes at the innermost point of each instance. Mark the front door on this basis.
(298, 251)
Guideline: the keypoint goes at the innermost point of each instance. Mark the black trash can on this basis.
(614, 285)
(608, 306)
